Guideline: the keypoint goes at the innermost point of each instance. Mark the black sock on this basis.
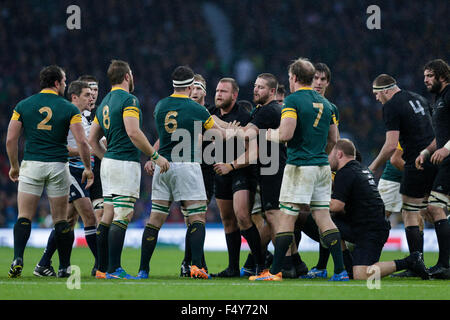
(187, 245)
(443, 237)
(102, 246)
(116, 238)
(250, 262)
(22, 231)
(415, 241)
(91, 239)
(324, 254)
(234, 248)
(332, 239)
(149, 240)
(296, 259)
(282, 242)
(348, 261)
(401, 264)
(310, 229)
(288, 263)
(254, 242)
(64, 237)
(297, 236)
(49, 250)
(197, 242)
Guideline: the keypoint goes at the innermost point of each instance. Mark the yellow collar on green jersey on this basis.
(177, 95)
(48, 91)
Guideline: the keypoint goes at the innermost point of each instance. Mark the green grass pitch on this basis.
(165, 284)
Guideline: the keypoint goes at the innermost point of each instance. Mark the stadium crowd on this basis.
(154, 38)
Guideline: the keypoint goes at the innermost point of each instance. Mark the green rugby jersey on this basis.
(314, 115)
(335, 116)
(46, 118)
(179, 112)
(391, 173)
(117, 105)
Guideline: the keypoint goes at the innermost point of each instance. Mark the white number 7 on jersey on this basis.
(418, 108)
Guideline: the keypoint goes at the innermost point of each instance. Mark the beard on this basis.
(224, 104)
(435, 87)
(261, 99)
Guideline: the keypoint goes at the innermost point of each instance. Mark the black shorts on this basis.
(270, 186)
(236, 180)
(368, 243)
(77, 189)
(208, 180)
(418, 183)
(95, 190)
(442, 181)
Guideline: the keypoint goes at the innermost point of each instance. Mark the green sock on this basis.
(116, 238)
(282, 242)
(22, 230)
(149, 240)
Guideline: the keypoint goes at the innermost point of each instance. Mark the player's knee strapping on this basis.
(123, 207)
(97, 204)
(157, 208)
(439, 200)
(413, 207)
(194, 209)
(289, 209)
(319, 205)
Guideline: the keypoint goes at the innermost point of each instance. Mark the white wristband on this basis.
(447, 145)
(425, 153)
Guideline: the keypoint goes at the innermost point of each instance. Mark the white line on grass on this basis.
(213, 283)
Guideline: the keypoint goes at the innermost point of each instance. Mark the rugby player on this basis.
(360, 215)
(80, 204)
(305, 126)
(321, 82)
(266, 115)
(407, 120)
(174, 114)
(119, 119)
(235, 189)
(45, 118)
(437, 79)
(95, 192)
(198, 94)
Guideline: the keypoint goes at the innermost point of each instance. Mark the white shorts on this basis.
(121, 178)
(183, 181)
(306, 185)
(390, 193)
(35, 175)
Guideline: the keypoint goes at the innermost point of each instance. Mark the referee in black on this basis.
(437, 79)
(408, 121)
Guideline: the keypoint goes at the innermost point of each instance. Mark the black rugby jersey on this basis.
(238, 113)
(441, 117)
(409, 113)
(268, 117)
(355, 185)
